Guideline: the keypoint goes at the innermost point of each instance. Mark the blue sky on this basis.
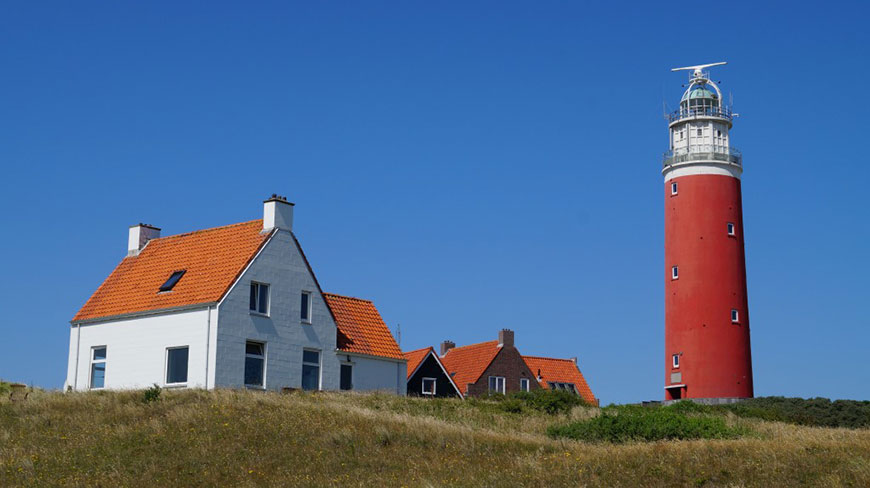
(468, 166)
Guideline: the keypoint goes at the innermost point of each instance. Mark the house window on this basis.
(310, 369)
(524, 384)
(676, 360)
(98, 367)
(176, 365)
(173, 279)
(259, 298)
(674, 188)
(255, 364)
(675, 272)
(306, 307)
(428, 386)
(730, 229)
(554, 385)
(734, 315)
(496, 384)
(346, 379)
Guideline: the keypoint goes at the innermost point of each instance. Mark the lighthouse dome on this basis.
(699, 92)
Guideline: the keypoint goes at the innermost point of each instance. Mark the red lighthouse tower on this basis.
(707, 352)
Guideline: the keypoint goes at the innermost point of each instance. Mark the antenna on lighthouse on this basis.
(698, 69)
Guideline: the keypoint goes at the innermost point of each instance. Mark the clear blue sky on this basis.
(468, 166)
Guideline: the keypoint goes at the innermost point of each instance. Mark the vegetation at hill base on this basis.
(245, 438)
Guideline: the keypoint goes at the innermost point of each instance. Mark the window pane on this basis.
(98, 375)
(254, 371)
(346, 376)
(100, 353)
(311, 357)
(310, 377)
(263, 303)
(173, 279)
(253, 304)
(176, 365)
(254, 348)
(491, 383)
(305, 300)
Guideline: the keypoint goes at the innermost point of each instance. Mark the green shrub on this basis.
(151, 394)
(635, 423)
(5, 388)
(820, 412)
(549, 401)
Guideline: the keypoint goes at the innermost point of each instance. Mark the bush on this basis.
(5, 388)
(151, 394)
(634, 423)
(549, 401)
(819, 412)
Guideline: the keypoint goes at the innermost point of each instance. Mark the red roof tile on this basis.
(465, 364)
(416, 357)
(561, 371)
(361, 328)
(212, 258)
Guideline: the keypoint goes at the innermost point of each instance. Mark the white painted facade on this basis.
(216, 334)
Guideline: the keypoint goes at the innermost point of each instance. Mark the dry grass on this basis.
(196, 438)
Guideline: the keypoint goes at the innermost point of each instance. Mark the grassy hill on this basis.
(197, 438)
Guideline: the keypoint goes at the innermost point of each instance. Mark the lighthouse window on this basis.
(676, 360)
(730, 229)
(673, 188)
(675, 272)
(734, 316)
(700, 132)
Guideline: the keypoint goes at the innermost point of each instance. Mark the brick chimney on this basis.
(139, 235)
(446, 346)
(277, 213)
(506, 338)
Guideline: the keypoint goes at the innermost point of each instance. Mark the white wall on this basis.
(280, 264)
(136, 349)
(376, 374)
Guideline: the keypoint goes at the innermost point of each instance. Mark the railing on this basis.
(700, 111)
(703, 152)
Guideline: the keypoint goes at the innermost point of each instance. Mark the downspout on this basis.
(78, 353)
(207, 345)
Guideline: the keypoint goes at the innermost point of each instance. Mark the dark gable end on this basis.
(430, 368)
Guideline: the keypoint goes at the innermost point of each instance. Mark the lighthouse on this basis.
(707, 351)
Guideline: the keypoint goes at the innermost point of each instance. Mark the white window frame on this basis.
(98, 361)
(256, 309)
(423, 386)
(319, 365)
(675, 361)
(735, 316)
(263, 357)
(675, 272)
(674, 188)
(496, 390)
(524, 384)
(308, 295)
(731, 228)
(166, 367)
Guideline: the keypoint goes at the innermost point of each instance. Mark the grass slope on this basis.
(239, 438)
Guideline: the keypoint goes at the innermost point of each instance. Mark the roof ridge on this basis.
(348, 297)
(546, 357)
(210, 229)
(470, 345)
(418, 350)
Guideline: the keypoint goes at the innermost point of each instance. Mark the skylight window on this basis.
(173, 279)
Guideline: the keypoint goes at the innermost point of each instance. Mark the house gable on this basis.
(508, 364)
(424, 363)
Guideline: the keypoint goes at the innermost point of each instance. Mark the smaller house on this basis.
(488, 367)
(560, 374)
(427, 375)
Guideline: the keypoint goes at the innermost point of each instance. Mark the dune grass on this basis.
(240, 438)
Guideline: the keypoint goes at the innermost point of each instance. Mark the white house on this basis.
(235, 306)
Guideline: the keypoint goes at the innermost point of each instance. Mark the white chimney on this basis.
(277, 213)
(139, 235)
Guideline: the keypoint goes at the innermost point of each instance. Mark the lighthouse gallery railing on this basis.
(703, 152)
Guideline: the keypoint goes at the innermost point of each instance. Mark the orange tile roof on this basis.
(212, 258)
(465, 364)
(361, 328)
(416, 357)
(561, 371)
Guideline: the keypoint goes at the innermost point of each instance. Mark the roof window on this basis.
(173, 279)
